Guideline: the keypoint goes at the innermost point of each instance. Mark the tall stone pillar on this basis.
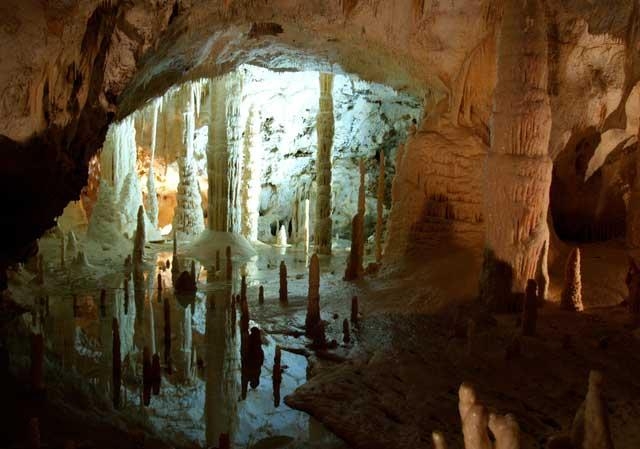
(518, 171)
(325, 130)
(188, 218)
(235, 149)
(250, 186)
(152, 200)
(218, 157)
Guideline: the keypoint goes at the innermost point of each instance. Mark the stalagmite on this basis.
(159, 284)
(346, 335)
(312, 321)
(229, 264)
(518, 170)
(475, 419)
(530, 309)
(37, 363)
(571, 298)
(505, 430)
(281, 237)
(284, 290)
(590, 428)
(116, 375)
(325, 131)
(380, 208)
(62, 248)
(354, 268)
(354, 310)
(305, 228)
(438, 440)
(277, 376)
(140, 239)
(261, 295)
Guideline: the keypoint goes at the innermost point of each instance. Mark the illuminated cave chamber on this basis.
(238, 154)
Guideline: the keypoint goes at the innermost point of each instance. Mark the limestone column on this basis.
(250, 186)
(354, 268)
(325, 130)
(217, 158)
(380, 208)
(235, 149)
(518, 171)
(152, 200)
(188, 218)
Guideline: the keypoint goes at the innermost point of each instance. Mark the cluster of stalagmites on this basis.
(484, 430)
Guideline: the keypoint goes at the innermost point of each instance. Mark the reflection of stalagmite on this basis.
(156, 375)
(175, 262)
(116, 376)
(571, 298)
(325, 130)
(312, 321)
(380, 208)
(277, 376)
(284, 289)
(167, 335)
(146, 376)
(518, 169)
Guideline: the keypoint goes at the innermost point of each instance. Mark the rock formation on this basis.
(229, 263)
(261, 295)
(518, 170)
(140, 239)
(438, 440)
(530, 309)
(324, 128)
(284, 290)
(313, 321)
(250, 185)
(277, 376)
(633, 285)
(72, 244)
(281, 237)
(380, 208)
(147, 378)
(346, 335)
(175, 262)
(571, 298)
(156, 374)
(354, 310)
(218, 157)
(152, 199)
(354, 268)
(167, 335)
(475, 419)
(305, 227)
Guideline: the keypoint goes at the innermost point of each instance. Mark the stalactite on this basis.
(261, 295)
(140, 239)
(284, 290)
(217, 158)
(229, 264)
(313, 321)
(250, 186)
(530, 309)
(518, 170)
(116, 374)
(152, 199)
(325, 131)
(571, 298)
(188, 217)
(380, 208)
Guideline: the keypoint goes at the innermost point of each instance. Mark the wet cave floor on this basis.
(393, 384)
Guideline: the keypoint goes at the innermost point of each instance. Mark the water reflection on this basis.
(200, 362)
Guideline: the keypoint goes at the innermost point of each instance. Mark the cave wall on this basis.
(72, 68)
